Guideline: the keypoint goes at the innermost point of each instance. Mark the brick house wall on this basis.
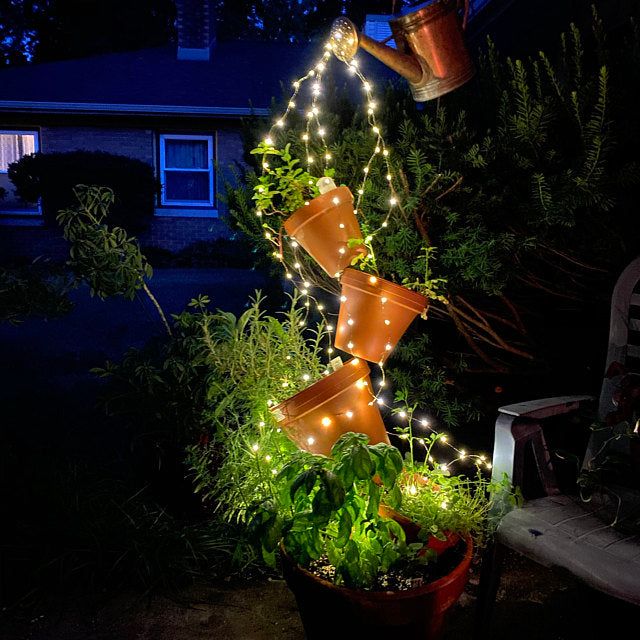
(20, 238)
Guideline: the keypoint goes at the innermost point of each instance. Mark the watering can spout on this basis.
(345, 41)
(430, 52)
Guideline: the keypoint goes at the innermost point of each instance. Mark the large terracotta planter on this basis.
(374, 314)
(416, 613)
(341, 402)
(324, 227)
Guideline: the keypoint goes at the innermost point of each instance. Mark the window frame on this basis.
(25, 132)
(196, 204)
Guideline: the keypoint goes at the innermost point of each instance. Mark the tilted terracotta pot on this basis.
(374, 314)
(415, 613)
(324, 227)
(341, 402)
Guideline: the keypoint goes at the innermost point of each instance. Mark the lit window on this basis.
(186, 170)
(13, 146)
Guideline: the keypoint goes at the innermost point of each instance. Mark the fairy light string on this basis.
(303, 280)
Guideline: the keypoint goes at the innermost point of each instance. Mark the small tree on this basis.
(107, 258)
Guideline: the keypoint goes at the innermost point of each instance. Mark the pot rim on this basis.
(322, 391)
(396, 293)
(307, 214)
(384, 596)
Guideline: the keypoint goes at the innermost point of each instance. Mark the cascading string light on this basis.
(303, 283)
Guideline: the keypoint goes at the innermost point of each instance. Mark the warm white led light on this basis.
(326, 421)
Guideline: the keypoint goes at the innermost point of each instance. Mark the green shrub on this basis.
(53, 176)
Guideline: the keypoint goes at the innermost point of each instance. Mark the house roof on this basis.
(240, 79)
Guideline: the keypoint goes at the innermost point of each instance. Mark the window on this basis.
(14, 145)
(186, 170)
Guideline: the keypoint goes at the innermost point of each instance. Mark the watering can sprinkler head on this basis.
(430, 53)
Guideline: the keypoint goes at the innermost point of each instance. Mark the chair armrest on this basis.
(545, 407)
(520, 424)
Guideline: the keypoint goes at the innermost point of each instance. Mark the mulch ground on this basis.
(533, 603)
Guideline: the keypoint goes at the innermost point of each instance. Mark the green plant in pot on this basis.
(341, 555)
(321, 218)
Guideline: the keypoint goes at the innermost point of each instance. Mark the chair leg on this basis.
(490, 573)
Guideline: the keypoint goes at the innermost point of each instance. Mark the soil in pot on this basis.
(331, 611)
(324, 227)
(374, 314)
(316, 417)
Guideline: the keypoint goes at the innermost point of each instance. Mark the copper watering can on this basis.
(431, 53)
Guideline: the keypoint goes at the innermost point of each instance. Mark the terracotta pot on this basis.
(324, 227)
(374, 314)
(338, 403)
(417, 613)
(411, 530)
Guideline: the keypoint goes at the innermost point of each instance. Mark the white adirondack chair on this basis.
(562, 530)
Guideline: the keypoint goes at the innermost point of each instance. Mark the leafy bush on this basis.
(490, 182)
(53, 176)
(35, 290)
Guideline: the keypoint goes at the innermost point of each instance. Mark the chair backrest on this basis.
(624, 346)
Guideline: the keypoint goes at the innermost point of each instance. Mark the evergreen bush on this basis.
(53, 176)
